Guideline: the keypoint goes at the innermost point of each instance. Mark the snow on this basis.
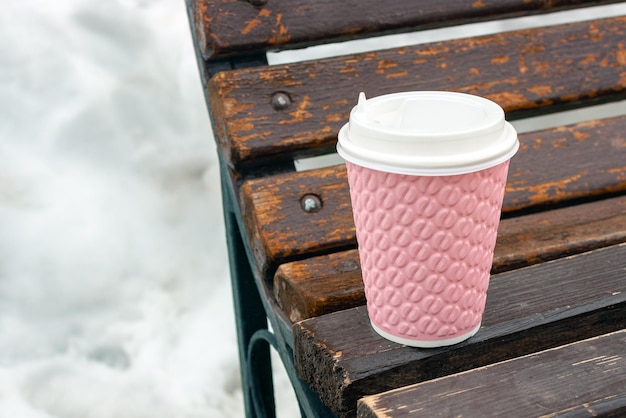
(114, 291)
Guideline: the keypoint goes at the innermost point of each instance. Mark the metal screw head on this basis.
(280, 101)
(311, 203)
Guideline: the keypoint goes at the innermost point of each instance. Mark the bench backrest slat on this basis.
(527, 71)
(236, 27)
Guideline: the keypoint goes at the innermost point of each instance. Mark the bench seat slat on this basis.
(586, 378)
(528, 310)
(533, 70)
(234, 27)
(325, 284)
(552, 166)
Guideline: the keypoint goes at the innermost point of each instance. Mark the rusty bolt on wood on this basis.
(280, 101)
(311, 203)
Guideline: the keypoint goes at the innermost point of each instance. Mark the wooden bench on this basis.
(552, 381)
(552, 340)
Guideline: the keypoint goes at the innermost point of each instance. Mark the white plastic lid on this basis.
(427, 133)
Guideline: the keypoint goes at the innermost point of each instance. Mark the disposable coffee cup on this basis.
(427, 172)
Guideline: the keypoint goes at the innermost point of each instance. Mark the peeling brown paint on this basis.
(396, 75)
(251, 25)
(595, 33)
(605, 62)
(537, 142)
(281, 35)
(233, 107)
(591, 58)
(335, 118)
(580, 136)
(523, 68)
(621, 54)
(542, 67)
(242, 147)
(546, 191)
(300, 114)
(620, 171)
(542, 90)
(499, 60)
(246, 124)
(384, 65)
(490, 85)
(338, 103)
(347, 70)
(559, 143)
(508, 99)
(433, 50)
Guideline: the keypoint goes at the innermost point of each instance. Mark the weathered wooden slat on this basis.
(319, 285)
(592, 151)
(528, 310)
(228, 27)
(587, 376)
(278, 225)
(325, 284)
(544, 236)
(523, 71)
(552, 166)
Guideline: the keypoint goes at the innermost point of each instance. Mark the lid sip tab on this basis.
(362, 103)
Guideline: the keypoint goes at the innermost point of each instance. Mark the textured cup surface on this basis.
(427, 171)
(426, 246)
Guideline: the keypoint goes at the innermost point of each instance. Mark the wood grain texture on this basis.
(552, 166)
(319, 285)
(594, 151)
(228, 27)
(528, 310)
(545, 236)
(587, 377)
(277, 225)
(534, 70)
(329, 283)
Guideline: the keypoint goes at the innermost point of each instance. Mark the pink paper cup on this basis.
(427, 172)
